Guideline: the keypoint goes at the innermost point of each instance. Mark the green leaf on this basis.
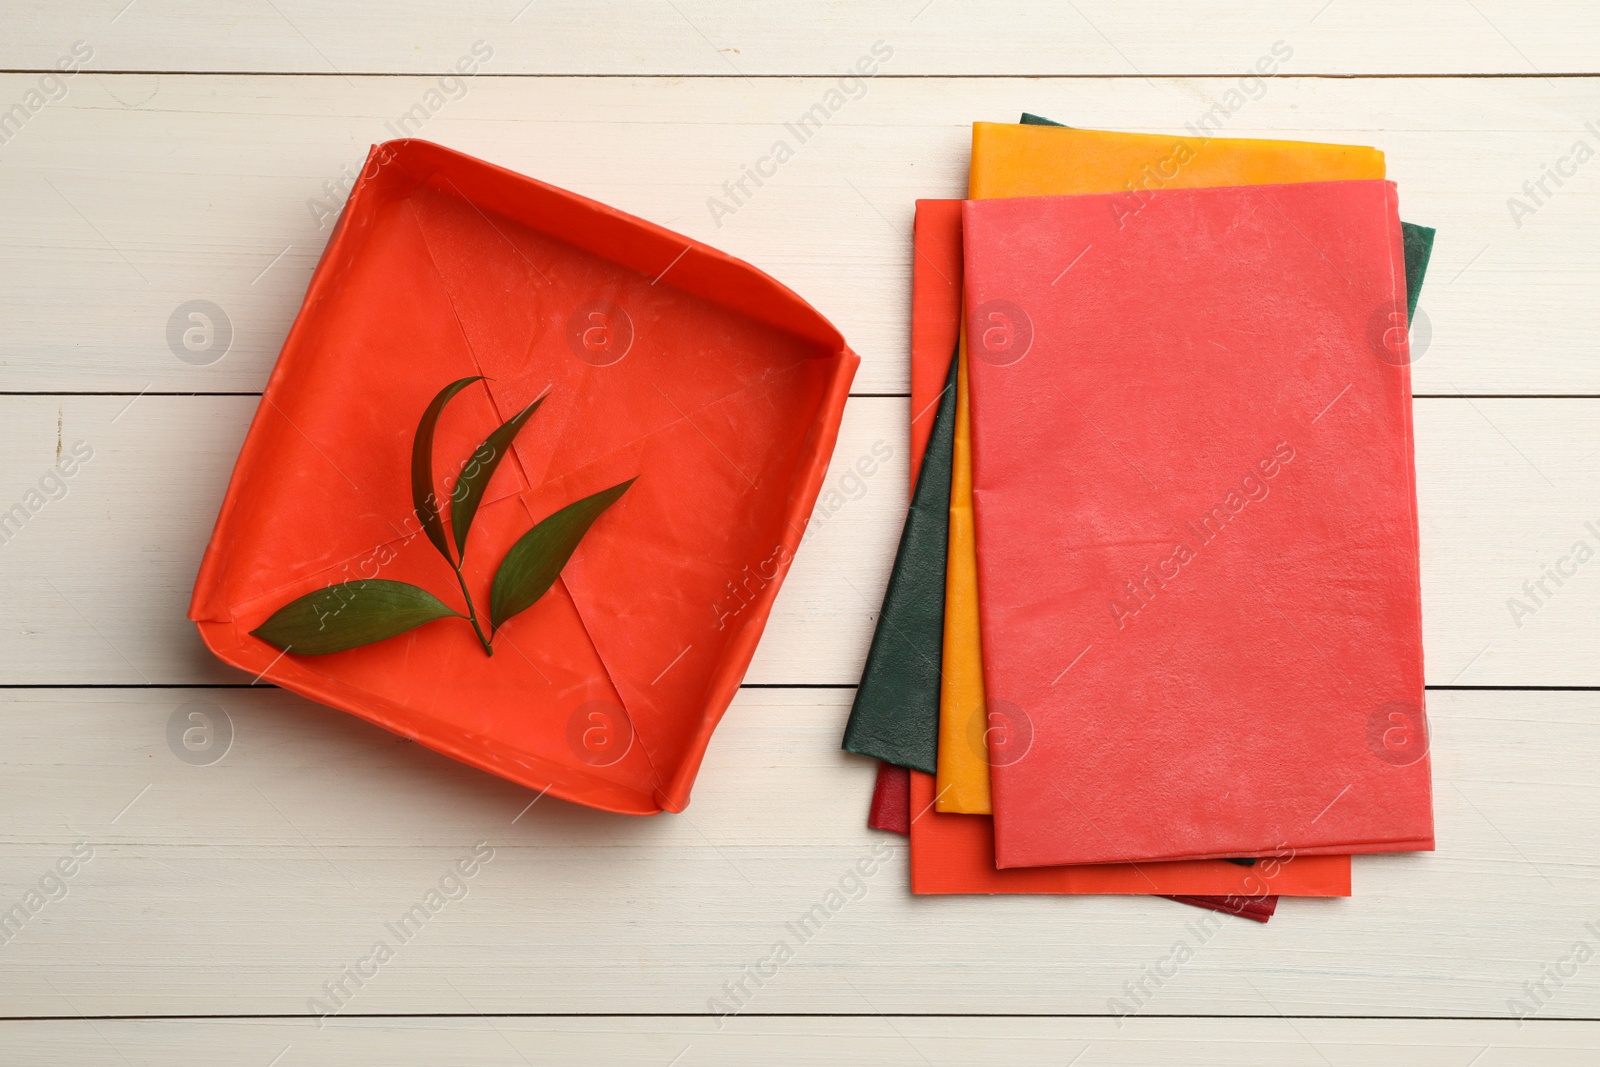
(349, 615)
(422, 495)
(468, 493)
(533, 563)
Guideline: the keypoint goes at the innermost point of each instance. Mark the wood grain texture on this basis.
(136, 194)
(1004, 37)
(244, 885)
(490, 1041)
(94, 588)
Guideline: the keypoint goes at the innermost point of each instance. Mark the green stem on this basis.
(472, 612)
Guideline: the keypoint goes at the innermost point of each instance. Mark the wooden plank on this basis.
(1005, 37)
(1504, 599)
(244, 885)
(135, 195)
(499, 1041)
(95, 587)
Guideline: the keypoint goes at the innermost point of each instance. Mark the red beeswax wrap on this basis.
(1227, 350)
(891, 800)
(665, 359)
(1260, 911)
(954, 853)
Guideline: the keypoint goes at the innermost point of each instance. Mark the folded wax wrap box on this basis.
(715, 388)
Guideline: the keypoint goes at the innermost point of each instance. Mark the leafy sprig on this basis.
(352, 614)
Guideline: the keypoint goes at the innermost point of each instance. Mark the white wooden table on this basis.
(198, 155)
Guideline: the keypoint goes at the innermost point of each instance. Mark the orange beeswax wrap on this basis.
(1028, 160)
(935, 325)
(954, 854)
(665, 360)
(935, 313)
(963, 753)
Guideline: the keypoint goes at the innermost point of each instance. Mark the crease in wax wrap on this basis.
(1247, 694)
(717, 388)
(1039, 159)
(954, 853)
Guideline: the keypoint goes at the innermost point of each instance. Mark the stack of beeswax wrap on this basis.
(1153, 626)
